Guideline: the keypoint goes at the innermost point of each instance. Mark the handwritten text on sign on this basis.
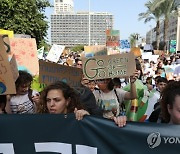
(52, 72)
(112, 66)
(7, 84)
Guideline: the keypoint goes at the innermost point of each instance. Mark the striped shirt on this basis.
(20, 104)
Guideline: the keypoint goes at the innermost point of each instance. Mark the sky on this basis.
(125, 14)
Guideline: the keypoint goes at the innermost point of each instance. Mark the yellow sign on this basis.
(7, 32)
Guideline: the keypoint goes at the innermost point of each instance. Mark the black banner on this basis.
(47, 134)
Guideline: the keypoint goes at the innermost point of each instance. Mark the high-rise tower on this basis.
(63, 6)
(71, 28)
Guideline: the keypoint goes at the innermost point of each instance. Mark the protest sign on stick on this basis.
(111, 66)
(7, 84)
(52, 72)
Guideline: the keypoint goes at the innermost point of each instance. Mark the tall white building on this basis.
(73, 28)
(63, 6)
(70, 28)
(178, 33)
(173, 32)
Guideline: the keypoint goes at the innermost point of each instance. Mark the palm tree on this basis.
(169, 6)
(152, 15)
(133, 39)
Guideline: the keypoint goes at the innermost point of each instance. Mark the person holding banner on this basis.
(110, 100)
(170, 103)
(3, 101)
(60, 98)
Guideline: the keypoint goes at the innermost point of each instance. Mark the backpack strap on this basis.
(30, 95)
(117, 96)
(121, 105)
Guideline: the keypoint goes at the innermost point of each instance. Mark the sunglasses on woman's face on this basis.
(101, 81)
(79, 64)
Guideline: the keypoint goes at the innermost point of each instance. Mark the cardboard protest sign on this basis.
(113, 50)
(25, 52)
(14, 68)
(159, 52)
(52, 72)
(136, 51)
(95, 50)
(7, 32)
(169, 70)
(7, 84)
(6, 43)
(70, 62)
(112, 37)
(111, 66)
(55, 53)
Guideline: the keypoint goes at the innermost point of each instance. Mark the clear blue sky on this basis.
(125, 14)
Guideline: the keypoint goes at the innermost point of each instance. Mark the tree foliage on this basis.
(152, 14)
(78, 48)
(169, 8)
(133, 39)
(25, 17)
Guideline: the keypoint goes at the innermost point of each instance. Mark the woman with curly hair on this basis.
(170, 103)
(60, 98)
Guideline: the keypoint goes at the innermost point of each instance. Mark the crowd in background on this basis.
(104, 97)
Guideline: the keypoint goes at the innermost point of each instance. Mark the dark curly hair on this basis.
(24, 78)
(168, 97)
(67, 91)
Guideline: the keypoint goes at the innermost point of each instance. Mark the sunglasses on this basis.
(101, 81)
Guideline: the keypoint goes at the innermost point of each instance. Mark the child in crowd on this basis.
(25, 99)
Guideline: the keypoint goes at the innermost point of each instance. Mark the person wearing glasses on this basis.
(78, 63)
(110, 99)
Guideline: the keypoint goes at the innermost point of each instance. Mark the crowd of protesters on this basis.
(103, 97)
